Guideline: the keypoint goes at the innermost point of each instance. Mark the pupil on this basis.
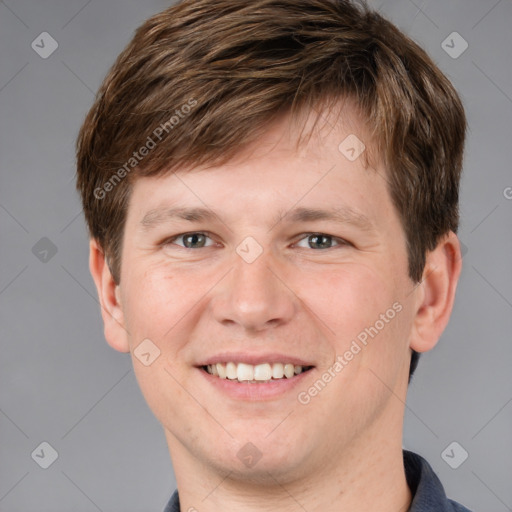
(198, 238)
(194, 238)
(319, 237)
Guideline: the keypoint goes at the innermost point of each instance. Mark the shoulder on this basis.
(174, 503)
(426, 488)
(457, 507)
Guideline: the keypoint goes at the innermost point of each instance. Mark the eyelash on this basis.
(340, 241)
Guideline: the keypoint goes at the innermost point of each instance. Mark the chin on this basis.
(268, 471)
(260, 459)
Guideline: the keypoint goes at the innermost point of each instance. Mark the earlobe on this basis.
(110, 299)
(436, 293)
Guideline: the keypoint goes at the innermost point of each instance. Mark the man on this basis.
(271, 191)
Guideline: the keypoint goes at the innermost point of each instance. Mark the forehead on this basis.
(332, 128)
(314, 166)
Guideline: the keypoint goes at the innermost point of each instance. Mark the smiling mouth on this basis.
(255, 374)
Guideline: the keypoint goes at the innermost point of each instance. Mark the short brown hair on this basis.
(225, 69)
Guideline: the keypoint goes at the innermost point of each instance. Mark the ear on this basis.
(436, 293)
(109, 296)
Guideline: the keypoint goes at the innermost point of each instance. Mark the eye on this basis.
(323, 241)
(194, 240)
(198, 240)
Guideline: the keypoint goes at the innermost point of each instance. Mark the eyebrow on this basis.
(341, 215)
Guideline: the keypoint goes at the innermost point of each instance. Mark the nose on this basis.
(255, 296)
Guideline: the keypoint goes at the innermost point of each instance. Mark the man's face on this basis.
(257, 280)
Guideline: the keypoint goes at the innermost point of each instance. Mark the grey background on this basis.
(59, 380)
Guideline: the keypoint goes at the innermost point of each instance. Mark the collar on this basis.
(426, 488)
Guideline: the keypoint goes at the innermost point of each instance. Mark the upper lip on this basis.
(254, 359)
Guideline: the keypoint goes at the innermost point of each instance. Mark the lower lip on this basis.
(261, 391)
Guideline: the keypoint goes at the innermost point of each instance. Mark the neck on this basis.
(368, 473)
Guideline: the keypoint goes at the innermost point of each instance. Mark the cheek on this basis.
(369, 321)
(160, 306)
(352, 300)
(153, 302)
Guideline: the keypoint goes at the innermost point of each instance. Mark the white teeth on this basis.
(231, 371)
(289, 370)
(262, 372)
(245, 371)
(254, 373)
(221, 370)
(212, 368)
(277, 371)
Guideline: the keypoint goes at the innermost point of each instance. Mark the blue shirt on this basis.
(426, 489)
